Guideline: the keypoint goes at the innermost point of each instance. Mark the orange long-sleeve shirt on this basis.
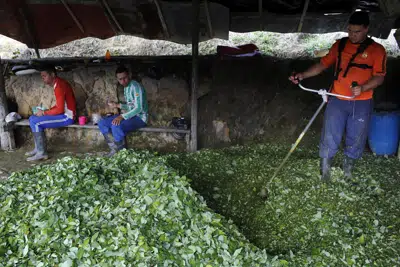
(374, 55)
(65, 100)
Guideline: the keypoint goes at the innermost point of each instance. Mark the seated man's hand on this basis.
(39, 113)
(117, 120)
(112, 104)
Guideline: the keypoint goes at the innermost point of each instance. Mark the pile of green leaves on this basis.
(130, 210)
(304, 222)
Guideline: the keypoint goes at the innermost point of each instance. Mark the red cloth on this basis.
(237, 50)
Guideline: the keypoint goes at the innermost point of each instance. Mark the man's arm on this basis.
(136, 93)
(325, 62)
(314, 70)
(60, 103)
(123, 106)
(378, 72)
(374, 82)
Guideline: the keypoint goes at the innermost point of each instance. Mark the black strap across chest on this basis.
(361, 48)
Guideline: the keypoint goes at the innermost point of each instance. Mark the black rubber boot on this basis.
(348, 164)
(326, 169)
(41, 147)
(120, 145)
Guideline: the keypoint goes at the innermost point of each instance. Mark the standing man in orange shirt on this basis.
(357, 59)
(62, 114)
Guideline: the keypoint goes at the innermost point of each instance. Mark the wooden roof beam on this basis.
(162, 19)
(303, 15)
(107, 7)
(28, 26)
(73, 16)
(260, 13)
(209, 22)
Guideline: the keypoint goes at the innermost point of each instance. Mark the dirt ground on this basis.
(11, 161)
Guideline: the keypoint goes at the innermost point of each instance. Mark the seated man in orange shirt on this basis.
(62, 114)
(358, 59)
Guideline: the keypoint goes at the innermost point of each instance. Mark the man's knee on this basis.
(33, 119)
(32, 122)
(117, 132)
(116, 128)
(103, 124)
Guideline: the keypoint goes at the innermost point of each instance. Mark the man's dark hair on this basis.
(121, 69)
(359, 18)
(49, 69)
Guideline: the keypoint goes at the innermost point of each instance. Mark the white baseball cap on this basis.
(12, 117)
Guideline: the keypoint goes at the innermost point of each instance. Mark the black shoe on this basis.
(326, 169)
(348, 164)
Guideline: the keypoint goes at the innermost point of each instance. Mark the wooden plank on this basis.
(114, 60)
(7, 141)
(195, 73)
(95, 127)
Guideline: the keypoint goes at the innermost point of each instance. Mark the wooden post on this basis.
(195, 73)
(7, 141)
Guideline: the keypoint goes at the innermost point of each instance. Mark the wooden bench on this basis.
(25, 122)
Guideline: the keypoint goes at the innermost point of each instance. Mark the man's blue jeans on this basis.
(119, 131)
(347, 116)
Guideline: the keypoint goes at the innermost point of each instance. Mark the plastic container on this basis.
(96, 118)
(384, 132)
(82, 120)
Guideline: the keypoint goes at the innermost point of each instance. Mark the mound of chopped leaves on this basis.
(304, 222)
(131, 210)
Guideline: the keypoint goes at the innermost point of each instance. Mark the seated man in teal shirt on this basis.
(134, 116)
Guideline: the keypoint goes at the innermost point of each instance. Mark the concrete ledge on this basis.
(91, 126)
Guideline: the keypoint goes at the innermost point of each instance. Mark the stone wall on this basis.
(240, 100)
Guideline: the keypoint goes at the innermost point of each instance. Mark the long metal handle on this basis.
(294, 146)
(321, 92)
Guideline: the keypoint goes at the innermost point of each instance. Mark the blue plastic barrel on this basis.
(384, 133)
